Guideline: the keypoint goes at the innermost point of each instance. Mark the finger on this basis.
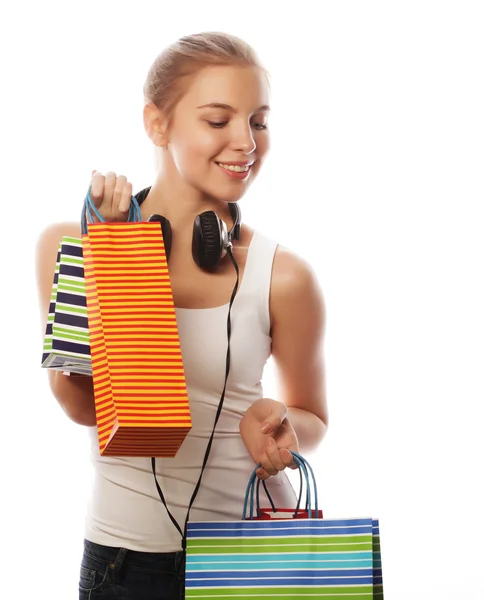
(109, 187)
(275, 419)
(274, 455)
(269, 466)
(126, 195)
(287, 458)
(120, 182)
(262, 474)
(97, 188)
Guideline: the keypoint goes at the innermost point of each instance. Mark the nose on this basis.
(243, 139)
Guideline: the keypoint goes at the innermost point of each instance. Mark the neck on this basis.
(180, 203)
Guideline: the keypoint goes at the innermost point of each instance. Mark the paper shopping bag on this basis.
(66, 344)
(47, 355)
(140, 390)
(284, 558)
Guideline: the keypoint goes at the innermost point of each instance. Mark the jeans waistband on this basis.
(122, 557)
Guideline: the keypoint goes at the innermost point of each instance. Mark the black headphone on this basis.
(210, 239)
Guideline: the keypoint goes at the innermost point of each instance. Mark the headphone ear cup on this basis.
(207, 240)
(165, 231)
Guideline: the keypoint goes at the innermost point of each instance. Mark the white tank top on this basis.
(125, 508)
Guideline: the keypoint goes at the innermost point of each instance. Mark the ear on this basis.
(156, 125)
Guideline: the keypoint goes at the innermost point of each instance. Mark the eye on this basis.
(259, 126)
(217, 124)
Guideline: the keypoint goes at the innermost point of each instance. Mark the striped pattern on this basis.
(292, 559)
(139, 383)
(47, 356)
(67, 343)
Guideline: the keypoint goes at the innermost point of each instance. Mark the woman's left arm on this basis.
(299, 418)
(298, 323)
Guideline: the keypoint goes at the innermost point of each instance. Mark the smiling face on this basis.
(218, 137)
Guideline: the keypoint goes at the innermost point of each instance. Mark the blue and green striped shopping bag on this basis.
(284, 558)
(66, 343)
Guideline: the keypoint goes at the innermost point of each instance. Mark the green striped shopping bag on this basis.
(66, 341)
(47, 349)
(279, 558)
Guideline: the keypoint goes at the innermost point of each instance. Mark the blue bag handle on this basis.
(252, 489)
(306, 473)
(134, 214)
(313, 478)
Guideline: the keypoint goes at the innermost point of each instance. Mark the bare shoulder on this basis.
(50, 237)
(288, 265)
(53, 234)
(48, 242)
(294, 285)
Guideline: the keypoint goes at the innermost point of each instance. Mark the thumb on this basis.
(275, 419)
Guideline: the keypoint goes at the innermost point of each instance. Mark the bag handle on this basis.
(253, 490)
(271, 501)
(305, 472)
(134, 214)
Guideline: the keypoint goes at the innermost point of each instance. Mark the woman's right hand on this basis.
(111, 195)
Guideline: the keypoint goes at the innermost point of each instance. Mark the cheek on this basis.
(263, 144)
(197, 144)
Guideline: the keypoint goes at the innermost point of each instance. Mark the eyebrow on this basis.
(231, 108)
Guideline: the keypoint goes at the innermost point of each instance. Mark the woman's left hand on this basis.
(269, 437)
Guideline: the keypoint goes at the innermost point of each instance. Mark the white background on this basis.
(375, 176)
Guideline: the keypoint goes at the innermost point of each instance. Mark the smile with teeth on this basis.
(236, 168)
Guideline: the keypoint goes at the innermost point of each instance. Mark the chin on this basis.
(232, 197)
(232, 193)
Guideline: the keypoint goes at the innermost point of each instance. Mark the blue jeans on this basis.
(118, 574)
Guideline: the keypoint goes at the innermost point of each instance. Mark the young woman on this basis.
(206, 112)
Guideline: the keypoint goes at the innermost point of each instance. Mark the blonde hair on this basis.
(170, 74)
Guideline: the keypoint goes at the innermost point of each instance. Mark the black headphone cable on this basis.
(183, 532)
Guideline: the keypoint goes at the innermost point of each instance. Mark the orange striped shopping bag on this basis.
(140, 390)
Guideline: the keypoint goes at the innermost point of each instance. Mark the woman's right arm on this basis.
(111, 195)
(75, 392)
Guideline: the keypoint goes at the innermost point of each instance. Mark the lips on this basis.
(236, 167)
(238, 171)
